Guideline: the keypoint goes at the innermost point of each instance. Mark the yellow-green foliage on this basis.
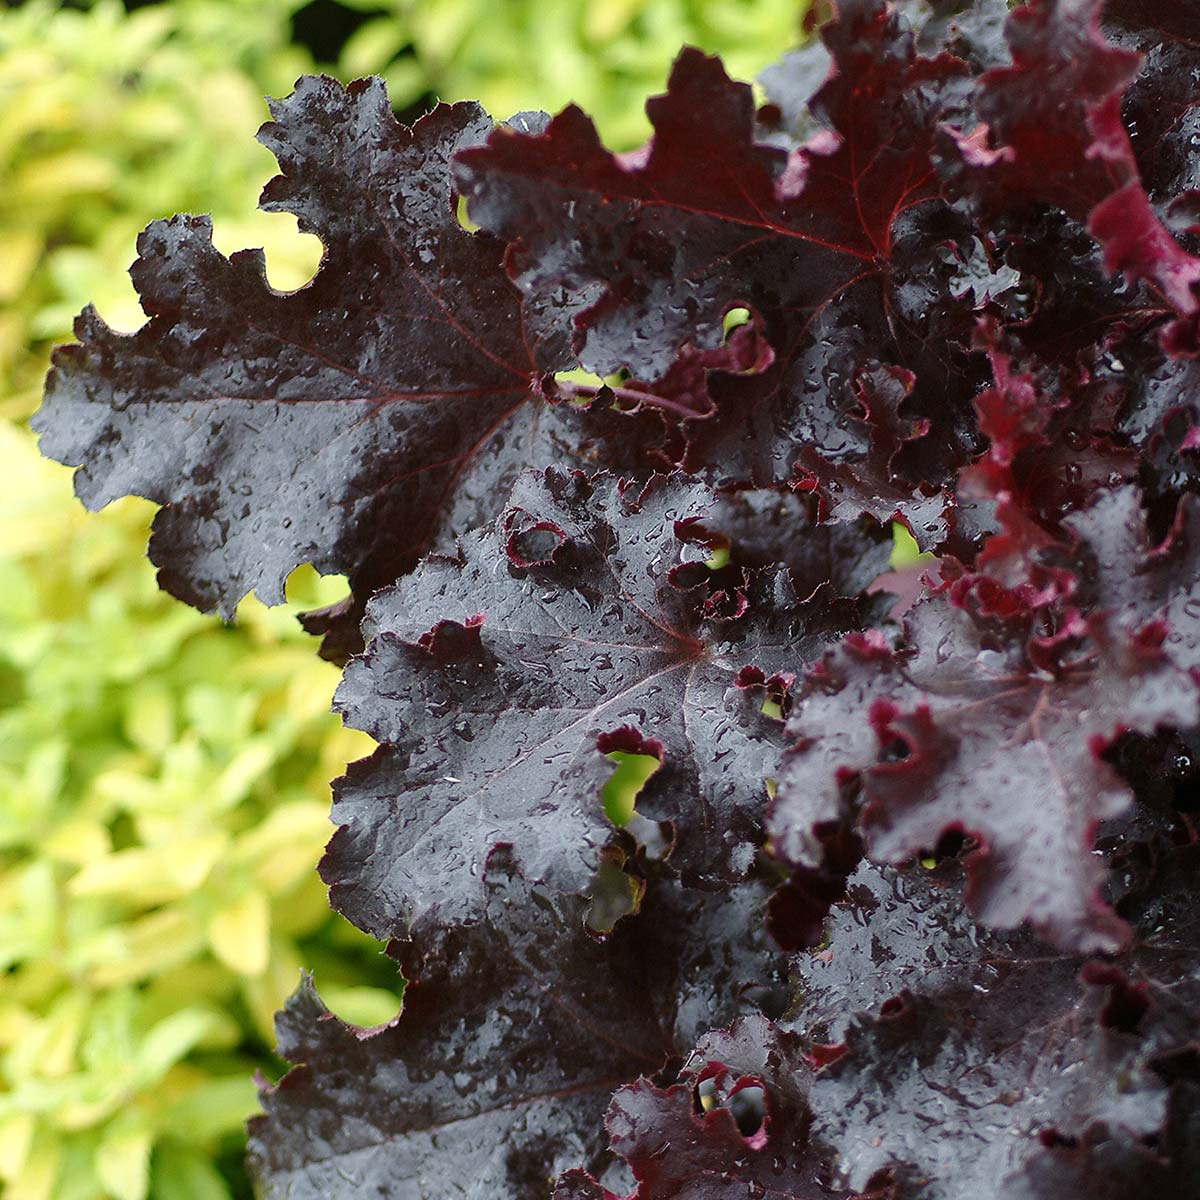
(165, 799)
(606, 55)
(163, 778)
(107, 121)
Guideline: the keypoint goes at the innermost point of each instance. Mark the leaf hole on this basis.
(906, 552)
(735, 318)
(749, 1108)
(535, 546)
(614, 893)
(462, 213)
(702, 546)
(620, 793)
(745, 1099)
(307, 588)
(777, 702)
(581, 387)
(950, 844)
(688, 575)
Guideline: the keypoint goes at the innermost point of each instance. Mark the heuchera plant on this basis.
(907, 906)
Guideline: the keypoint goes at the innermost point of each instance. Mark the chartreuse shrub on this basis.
(163, 790)
(161, 785)
(906, 904)
(162, 777)
(516, 54)
(105, 118)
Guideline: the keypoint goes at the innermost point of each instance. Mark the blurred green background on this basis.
(163, 777)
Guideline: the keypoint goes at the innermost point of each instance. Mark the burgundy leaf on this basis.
(945, 277)
(654, 248)
(1066, 145)
(1052, 443)
(873, 485)
(637, 215)
(687, 1141)
(962, 733)
(326, 425)
(1161, 108)
(1138, 581)
(769, 526)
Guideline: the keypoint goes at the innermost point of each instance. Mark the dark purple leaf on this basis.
(493, 680)
(326, 425)
(654, 249)
(1138, 581)
(995, 1055)
(686, 1142)
(963, 732)
(967, 246)
(1067, 146)
(516, 1029)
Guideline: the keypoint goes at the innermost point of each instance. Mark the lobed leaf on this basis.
(516, 1030)
(584, 621)
(960, 733)
(1016, 1056)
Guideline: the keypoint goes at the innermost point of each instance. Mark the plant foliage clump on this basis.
(906, 902)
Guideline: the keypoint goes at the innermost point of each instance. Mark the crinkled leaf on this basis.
(1139, 581)
(968, 263)
(687, 1141)
(995, 1057)
(584, 621)
(769, 526)
(1067, 146)
(1051, 444)
(1161, 108)
(925, 1058)
(961, 732)
(654, 248)
(516, 1029)
(326, 425)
